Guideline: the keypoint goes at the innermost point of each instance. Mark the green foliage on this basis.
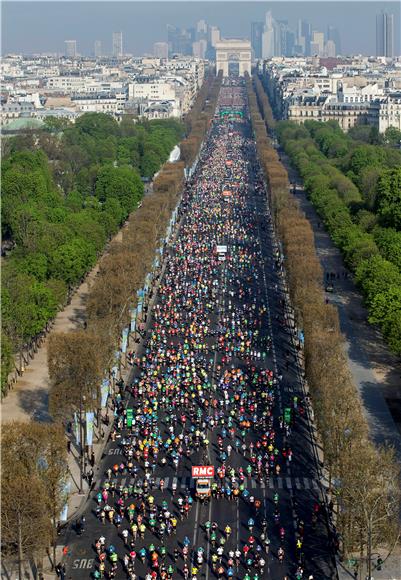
(65, 190)
(346, 215)
(6, 357)
(388, 240)
(121, 183)
(388, 198)
(392, 137)
(71, 260)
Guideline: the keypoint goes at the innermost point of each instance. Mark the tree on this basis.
(388, 198)
(71, 260)
(53, 471)
(56, 124)
(34, 472)
(24, 523)
(77, 361)
(392, 137)
(7, 359)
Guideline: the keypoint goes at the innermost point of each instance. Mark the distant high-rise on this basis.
(160, 49)
(199, 48)
(304, 36)
(98, 48)
(117, 44)
(317, 44)
(214, 35)
(70, 48)
(268, 37)
(201, 30)
(256, 38)
(330, 49)
(334, 35)
(180, 40)
(385, 34)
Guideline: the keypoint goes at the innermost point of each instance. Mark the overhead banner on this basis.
(133, 319)
(124, 340)
(76, 429)
(104, 392)
(90, 417)
(66, 493)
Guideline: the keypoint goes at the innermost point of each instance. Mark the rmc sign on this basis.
(202, 471)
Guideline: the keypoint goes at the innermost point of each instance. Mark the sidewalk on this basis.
(376, 372)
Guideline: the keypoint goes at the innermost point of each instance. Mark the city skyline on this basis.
(70, 20)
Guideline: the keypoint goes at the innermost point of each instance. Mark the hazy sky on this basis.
(32, 27)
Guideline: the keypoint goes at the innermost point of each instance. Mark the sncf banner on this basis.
(202, 471)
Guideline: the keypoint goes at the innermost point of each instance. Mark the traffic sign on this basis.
(202, 471)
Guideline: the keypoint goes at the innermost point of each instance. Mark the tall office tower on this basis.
(330, 49)
(268, 37)
(284, 39)
(98, 48)
(117, 44)
(214, 35)
(256, 38)
(334, 35)
(160, 49)
(201, 30)
(180, 40)
(70, 48)
(304, 36)
(385, 34)
(199, 48)
(317, 44)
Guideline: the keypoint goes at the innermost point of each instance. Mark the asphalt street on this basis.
(239, 287)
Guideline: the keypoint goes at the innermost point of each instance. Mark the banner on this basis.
(124, 340)
(76, 429)
(140, 293)
(104, 391)
(133, 320)
(139, 307)
(66, 493)
(90, 417)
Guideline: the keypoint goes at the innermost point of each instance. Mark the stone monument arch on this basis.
(233, 51)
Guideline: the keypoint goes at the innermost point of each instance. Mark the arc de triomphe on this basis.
(233, 50)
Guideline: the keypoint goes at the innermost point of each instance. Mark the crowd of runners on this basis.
(205, 391)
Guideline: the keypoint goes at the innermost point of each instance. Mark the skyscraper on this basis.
(201, 30)
(160, 49)
(117, 44)
(304, 36)
(180, 40)
(256, 38)
(385, 34)
(98, 48)
(317, 44)
(214, 35)
(70, 48)
(268, 37)
(334, 35)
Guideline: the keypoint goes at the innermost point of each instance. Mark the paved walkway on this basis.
(376, 372)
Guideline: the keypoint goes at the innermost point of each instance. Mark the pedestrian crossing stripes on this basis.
(181, 483)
